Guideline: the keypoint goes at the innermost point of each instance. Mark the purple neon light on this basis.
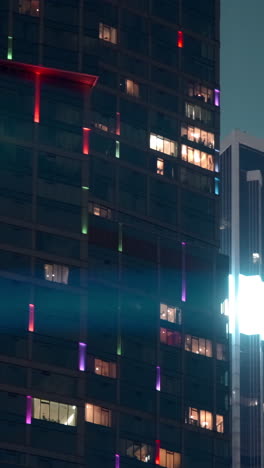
(117, 461)
(82, 356)
(184, 293)
(217, 97)
(29, 410)
(158, 378)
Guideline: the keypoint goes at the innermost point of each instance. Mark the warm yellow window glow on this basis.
(200, 418)
(170, 314)
(220, 423)
(170, 459)
(198, 345)
(162, 144)
(107, 33)
(29, 7)
(98, 415)
(160, 166)
(53, 411)
(197, 157)
(105, 368)
(99, 210)
(132, 88)
(56, 273)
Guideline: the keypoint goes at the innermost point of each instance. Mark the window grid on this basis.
(197, 157)
(197, 135)
(98, 415)
(53, 411)
(56, 273)
(194, 112)
(139, 450)
(200, 92)
(160, 166)
(105, 368)
(170, 337)
(162, 144)
(132, 88)
(198, 345)
(170, 459)
(99, 210)
(170, 314)
(29, 7)
(107, 33)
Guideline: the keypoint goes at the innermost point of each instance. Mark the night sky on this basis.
(242, 67)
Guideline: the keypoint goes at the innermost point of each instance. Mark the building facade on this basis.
(242, 233)
(113, 348)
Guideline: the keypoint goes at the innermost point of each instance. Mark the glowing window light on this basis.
(37, 98)
(158, 378)
(10, 47)
(117, 153)
(118, 123)
(184, 292)
(29, 410)
(217, 97)
(180, 39)
(217, 186)
(119, 346)
(157, 452)
(247, 306)
(86, 142)
(31, 318)
(117, 460)
(120, 238)
(82, 356)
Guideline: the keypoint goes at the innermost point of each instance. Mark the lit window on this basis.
(220, 423)
(170, 337)
(139, 450)
(170, 459)
(197, 157)
(220, 352)
(99, 210)
(198, 345)
(200, 418)
(132, 88)
(160, 166)
(105, 368)
(170, 314)
(98, 415)
(53, 411)
(164, 145)
(107, 33)
(29, 7)
(255, 257)
(56, 273)
(200, 92)
(101, 126)
(194, 112)
(198, 136)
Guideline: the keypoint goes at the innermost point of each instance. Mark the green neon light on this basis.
(10, 48)
(120, 238)
(84, 187)
(119, 346)
(85, 230)
(117, 154)
(85, 223)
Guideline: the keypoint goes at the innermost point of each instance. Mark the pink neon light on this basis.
(180, 39)
(31, 319)
(118, 123)
(29, 410)
(37, 99)
(184, 292)
(82, 356)
(117, 461)
(158, 378)
(157, 454)
(217, 97)
(89, 80)
(86, 140)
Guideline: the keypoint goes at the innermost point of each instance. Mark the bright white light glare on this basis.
(250, 305)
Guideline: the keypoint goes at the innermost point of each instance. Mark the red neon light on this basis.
(31, 319)
(89, 80)
(157, 454)
(37, 99)
(180, 39)
(118, 123)
(86, 142)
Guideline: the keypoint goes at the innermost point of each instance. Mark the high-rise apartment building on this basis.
(242, 235)
(113, 348)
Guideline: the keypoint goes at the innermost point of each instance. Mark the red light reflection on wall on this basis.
(31, 319)
(157, 453)
(180, 39)
(37, 99)
(86, 140)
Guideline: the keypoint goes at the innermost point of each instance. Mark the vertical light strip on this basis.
(217, 186)
(184, 293)
(117, 460)
(117, 153)
(120, 238)
(10, 48)
(180, 39)
(29, 410)
(85, 221)
(37, 99)
(31, 317)
(217, 97)
(158, 378)
(82, 356)
(157, 453)
(86, 142)
(118, 123)
(119, 346)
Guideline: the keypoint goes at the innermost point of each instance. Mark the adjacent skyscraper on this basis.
(113, 348)
(242, 232)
